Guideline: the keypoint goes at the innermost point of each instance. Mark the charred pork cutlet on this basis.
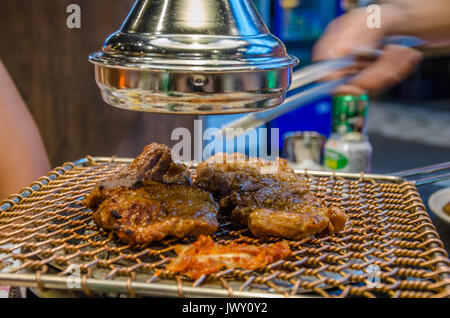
(153, 210)
(267, 197)
(153, 198)
(154, 163)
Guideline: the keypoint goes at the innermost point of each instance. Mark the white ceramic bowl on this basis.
(437, 201)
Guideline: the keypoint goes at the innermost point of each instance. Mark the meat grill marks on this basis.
(154, 163)
(205, 257)
(293, 218)
(270, 204)
(153, 198)
(224, 174)
(153, 210)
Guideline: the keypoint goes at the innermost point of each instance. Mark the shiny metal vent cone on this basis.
(193, 57)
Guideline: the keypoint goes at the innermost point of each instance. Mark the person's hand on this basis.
(350, 32)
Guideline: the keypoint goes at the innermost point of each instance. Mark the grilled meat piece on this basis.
(293, 218)
(224, 174)
(151, 210)
(151, 199)
(205, 257)
(267, 197)
(154, 163)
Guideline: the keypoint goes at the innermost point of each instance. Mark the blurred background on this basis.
(408, 125)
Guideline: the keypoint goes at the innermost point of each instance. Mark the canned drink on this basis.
(351, 152)
(350, 113)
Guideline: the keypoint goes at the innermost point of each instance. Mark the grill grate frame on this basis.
(49, 241)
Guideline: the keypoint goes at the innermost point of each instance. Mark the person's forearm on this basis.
(22, 154)
(428, 19)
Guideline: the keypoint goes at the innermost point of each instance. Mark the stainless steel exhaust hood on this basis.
(193, 57)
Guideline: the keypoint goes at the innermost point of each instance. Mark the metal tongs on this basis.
(426, 175)
(305, 77)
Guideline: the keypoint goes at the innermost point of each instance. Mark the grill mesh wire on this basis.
(390, 248)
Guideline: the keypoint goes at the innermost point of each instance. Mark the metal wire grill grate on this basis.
(389, 249)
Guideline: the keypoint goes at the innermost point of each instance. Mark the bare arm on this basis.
(427, 19)
(23, 158)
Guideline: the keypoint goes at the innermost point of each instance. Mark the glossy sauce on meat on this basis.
(153, 211)
(153, 198)
(272, 202)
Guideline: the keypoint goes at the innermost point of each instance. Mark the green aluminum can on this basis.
(350, 113)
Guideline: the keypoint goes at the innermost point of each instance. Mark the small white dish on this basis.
(437, 201)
